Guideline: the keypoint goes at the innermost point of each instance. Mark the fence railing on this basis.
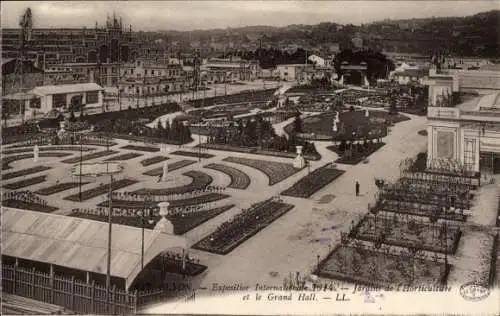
(75, 295)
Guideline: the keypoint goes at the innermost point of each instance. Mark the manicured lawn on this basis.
(192, 154)
(149, 149)
(275, 171)
(103, 189)
(29, 206)
(171, 167)
(6, 161)
(313, 182)
(94, 155)
(231, 234)
(24, 172)
(358, 153)
(182, 223)
(200, 181)
(376, 268)
(59, 188)
(239, 179)
(123, 157)
(25, 183)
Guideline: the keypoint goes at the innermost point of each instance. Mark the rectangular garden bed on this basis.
(365, 266)
(148, 149)
(171, 167)
(313, 182)
(94, 155)
(25, 183)
(424, 212)
(182, 224)
(397, 231)
(29, 206)
(25, 172)
(230, 235)
(103, 189)
(153, 160)
(357, 156)
(123, 157)
(59, 188)
(192, 154)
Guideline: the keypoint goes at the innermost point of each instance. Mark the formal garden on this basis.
(24, 172)
(399, 231)
(257, 136)
(6, 161)
(59, 187)
(103, 188)
(153, 160)
(360, 263)
(243, 226)
(26, 200)
(183, 220)
(239, 179)
(314, 181)
(149, 149)
(200, 181)
(275, 171)
(25, 183)
(158, 171)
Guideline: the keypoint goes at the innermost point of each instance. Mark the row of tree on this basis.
(259, 133)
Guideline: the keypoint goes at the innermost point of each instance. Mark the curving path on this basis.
(8, 160)
(239, 179)
(200, 181)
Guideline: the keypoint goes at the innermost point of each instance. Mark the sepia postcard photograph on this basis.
(250, 157)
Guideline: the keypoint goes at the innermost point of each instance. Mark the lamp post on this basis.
(80, 175)
(110, 211)
(147, 207)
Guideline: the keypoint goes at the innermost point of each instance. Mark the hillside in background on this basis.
(476, 35)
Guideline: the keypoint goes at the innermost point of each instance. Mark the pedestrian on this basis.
(357, 188)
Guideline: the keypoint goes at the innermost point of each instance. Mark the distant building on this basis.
(292, 72)
(230, 70)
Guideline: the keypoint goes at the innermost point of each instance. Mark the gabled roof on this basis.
(79, 243)
(66, 88)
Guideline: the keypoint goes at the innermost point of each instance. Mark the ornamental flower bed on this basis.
(231, 234)
(200, 181)
(25, 172)
(313, 182)
(420, 209)
(275, 171)
(148, 149)
(59, 188)
(31, 206)
(239, 179)
(123, 157)
(47, 148)
(94, 155)
(153, 160)
(361, 265)
(7, 160)
(102, 189)
(395, 230)
(25, 183)
(202, 199)
(192, 154)
(183, 222)
(171, 167)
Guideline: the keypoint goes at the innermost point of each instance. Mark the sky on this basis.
(189, 15)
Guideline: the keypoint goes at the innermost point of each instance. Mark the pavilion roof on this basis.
(79, 243)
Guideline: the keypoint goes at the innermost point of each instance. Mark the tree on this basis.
(297, 124)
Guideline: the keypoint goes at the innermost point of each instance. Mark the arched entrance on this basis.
(92, 56)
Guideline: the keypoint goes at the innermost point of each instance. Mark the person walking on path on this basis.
(357, 188)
